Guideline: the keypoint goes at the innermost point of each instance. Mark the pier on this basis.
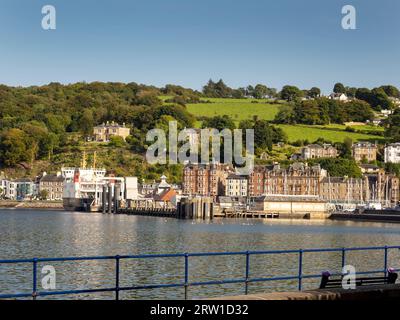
(195, 208)
(151, 212)
(248, 214)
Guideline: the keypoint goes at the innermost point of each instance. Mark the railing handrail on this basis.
(186, 283)
(195, 254)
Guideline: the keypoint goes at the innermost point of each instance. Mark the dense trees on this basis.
(14, 147)
(377, 98)
(314, 92)
(221, 90)
(337, 167)
(324, 111)
(260, 91)
(217, 89)
(391, 91)
(392, 130)
(180, 95)
(339, 88)
(290, 93)
(219, 122)
(265, 134)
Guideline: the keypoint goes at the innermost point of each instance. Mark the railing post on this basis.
(343, 259)
(186, 275)
(246, 290)
(386, 261)
(117, 258)
(34, 274)
(300, 268)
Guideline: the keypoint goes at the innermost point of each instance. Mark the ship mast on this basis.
(94, 160)
(83, 162)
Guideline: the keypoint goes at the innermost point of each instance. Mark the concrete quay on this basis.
(54, 205)
(363, 293)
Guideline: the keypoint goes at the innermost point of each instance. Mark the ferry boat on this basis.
(83, 188)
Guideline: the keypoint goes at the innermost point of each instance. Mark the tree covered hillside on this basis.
(37, 123)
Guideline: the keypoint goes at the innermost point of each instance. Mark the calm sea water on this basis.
(28, 234)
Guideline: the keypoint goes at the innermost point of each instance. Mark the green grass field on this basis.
(237, 109)
(243, 109)
(366, 128)
(296, 132)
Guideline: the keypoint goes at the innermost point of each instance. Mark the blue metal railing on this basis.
(186, 283)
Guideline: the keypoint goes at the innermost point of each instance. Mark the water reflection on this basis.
(27, 234)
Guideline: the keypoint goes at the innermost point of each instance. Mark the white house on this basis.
(10, 190)
(339, 97)
(3, 188)
(392, 153)
(386, 112)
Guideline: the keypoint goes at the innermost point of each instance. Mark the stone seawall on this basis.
(31, 204)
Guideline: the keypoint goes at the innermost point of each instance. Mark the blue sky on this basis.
(187, 42)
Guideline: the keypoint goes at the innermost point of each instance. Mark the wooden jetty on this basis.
(248, 214)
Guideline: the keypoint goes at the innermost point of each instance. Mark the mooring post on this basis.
(110, 202)
(117, 191)
(104, 198)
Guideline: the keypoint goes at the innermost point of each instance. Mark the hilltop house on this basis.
(103, 132)
(339, 97)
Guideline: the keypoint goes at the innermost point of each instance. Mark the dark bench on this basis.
(329, 283)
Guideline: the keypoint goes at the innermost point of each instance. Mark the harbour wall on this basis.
(54, 205)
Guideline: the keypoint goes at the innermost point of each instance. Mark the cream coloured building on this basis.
(236, 186)
(364, 151)
(103, 132)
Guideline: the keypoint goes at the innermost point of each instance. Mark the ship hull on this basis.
(75, 204)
